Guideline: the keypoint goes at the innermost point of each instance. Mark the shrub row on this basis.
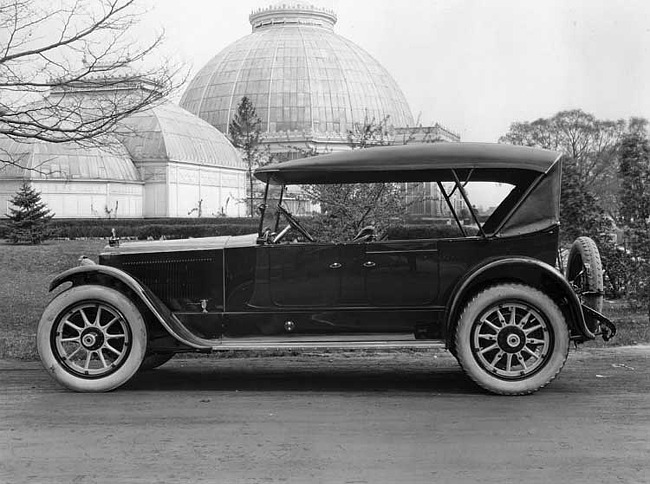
(186, 228)
(135, 222)
(155, 231)
(143, 229)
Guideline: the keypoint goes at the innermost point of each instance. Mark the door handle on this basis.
(369, 264)
(335, 265)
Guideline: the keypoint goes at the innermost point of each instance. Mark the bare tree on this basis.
(348, 208)
(71, 70)
(590, 181)
(589, 143)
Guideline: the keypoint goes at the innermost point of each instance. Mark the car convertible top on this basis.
(532, 205)
(422, 162)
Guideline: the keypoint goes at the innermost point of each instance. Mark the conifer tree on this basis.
(245, 132)
(28, 218)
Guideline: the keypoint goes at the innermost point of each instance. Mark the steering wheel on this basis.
(293, 223)
(366, 234)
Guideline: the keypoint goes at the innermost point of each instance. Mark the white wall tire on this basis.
(512, 339)
(91, 339)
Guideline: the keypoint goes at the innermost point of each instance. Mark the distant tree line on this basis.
(605, 190)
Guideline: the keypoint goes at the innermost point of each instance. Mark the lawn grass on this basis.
(632, 327)
(26, 272)
(25, 275)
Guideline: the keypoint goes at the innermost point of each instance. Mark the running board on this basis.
(299, 342)
(232, 345)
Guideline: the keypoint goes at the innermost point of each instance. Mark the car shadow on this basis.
(193, 375)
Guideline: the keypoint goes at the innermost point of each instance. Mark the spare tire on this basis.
(584, 270)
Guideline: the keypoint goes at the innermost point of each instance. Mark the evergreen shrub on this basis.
(28, 217)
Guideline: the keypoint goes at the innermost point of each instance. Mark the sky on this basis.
(474, 66)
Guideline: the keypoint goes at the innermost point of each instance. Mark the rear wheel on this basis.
(512, 339)
(584, 271)
(91, 339)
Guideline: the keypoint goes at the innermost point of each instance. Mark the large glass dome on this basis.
(300, 76)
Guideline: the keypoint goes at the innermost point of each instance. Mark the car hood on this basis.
(179, 245)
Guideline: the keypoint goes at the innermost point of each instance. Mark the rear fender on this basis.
(123, 282)
(521, 270)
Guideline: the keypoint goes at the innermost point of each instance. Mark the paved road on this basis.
(339, 418)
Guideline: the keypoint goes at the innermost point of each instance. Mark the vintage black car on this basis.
(491, 294)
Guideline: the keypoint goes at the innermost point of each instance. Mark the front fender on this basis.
(524, 270)
(112, 277)
(89, 274)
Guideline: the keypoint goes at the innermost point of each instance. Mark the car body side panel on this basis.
(401, 273)
(458, 256)
(329, 324)
(320, 289)
(303, 275)
(320, 284)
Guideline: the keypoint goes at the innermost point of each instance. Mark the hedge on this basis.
(135, 222)
(145, 228)
(195, 227)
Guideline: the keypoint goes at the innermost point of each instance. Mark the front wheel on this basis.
(91, 339)
(512, 339)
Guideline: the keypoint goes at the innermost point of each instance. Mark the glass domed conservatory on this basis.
(188, 168)
(73, 181)
(309, 86)
(161, 162)
(307, 83)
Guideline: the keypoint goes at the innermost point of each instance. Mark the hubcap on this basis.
(91, 339)
(88, 341)
(511, 340)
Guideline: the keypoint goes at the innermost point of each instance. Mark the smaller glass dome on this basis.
(168, 132)
(40, 160)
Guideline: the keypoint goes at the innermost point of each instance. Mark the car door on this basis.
(303, 275)
(401, 273)
(351, 272)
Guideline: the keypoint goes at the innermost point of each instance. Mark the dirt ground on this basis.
(342, 418)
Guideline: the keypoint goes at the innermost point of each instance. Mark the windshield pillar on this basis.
(451, 208)
(262, 210)
(277, 212)
(463, 193)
